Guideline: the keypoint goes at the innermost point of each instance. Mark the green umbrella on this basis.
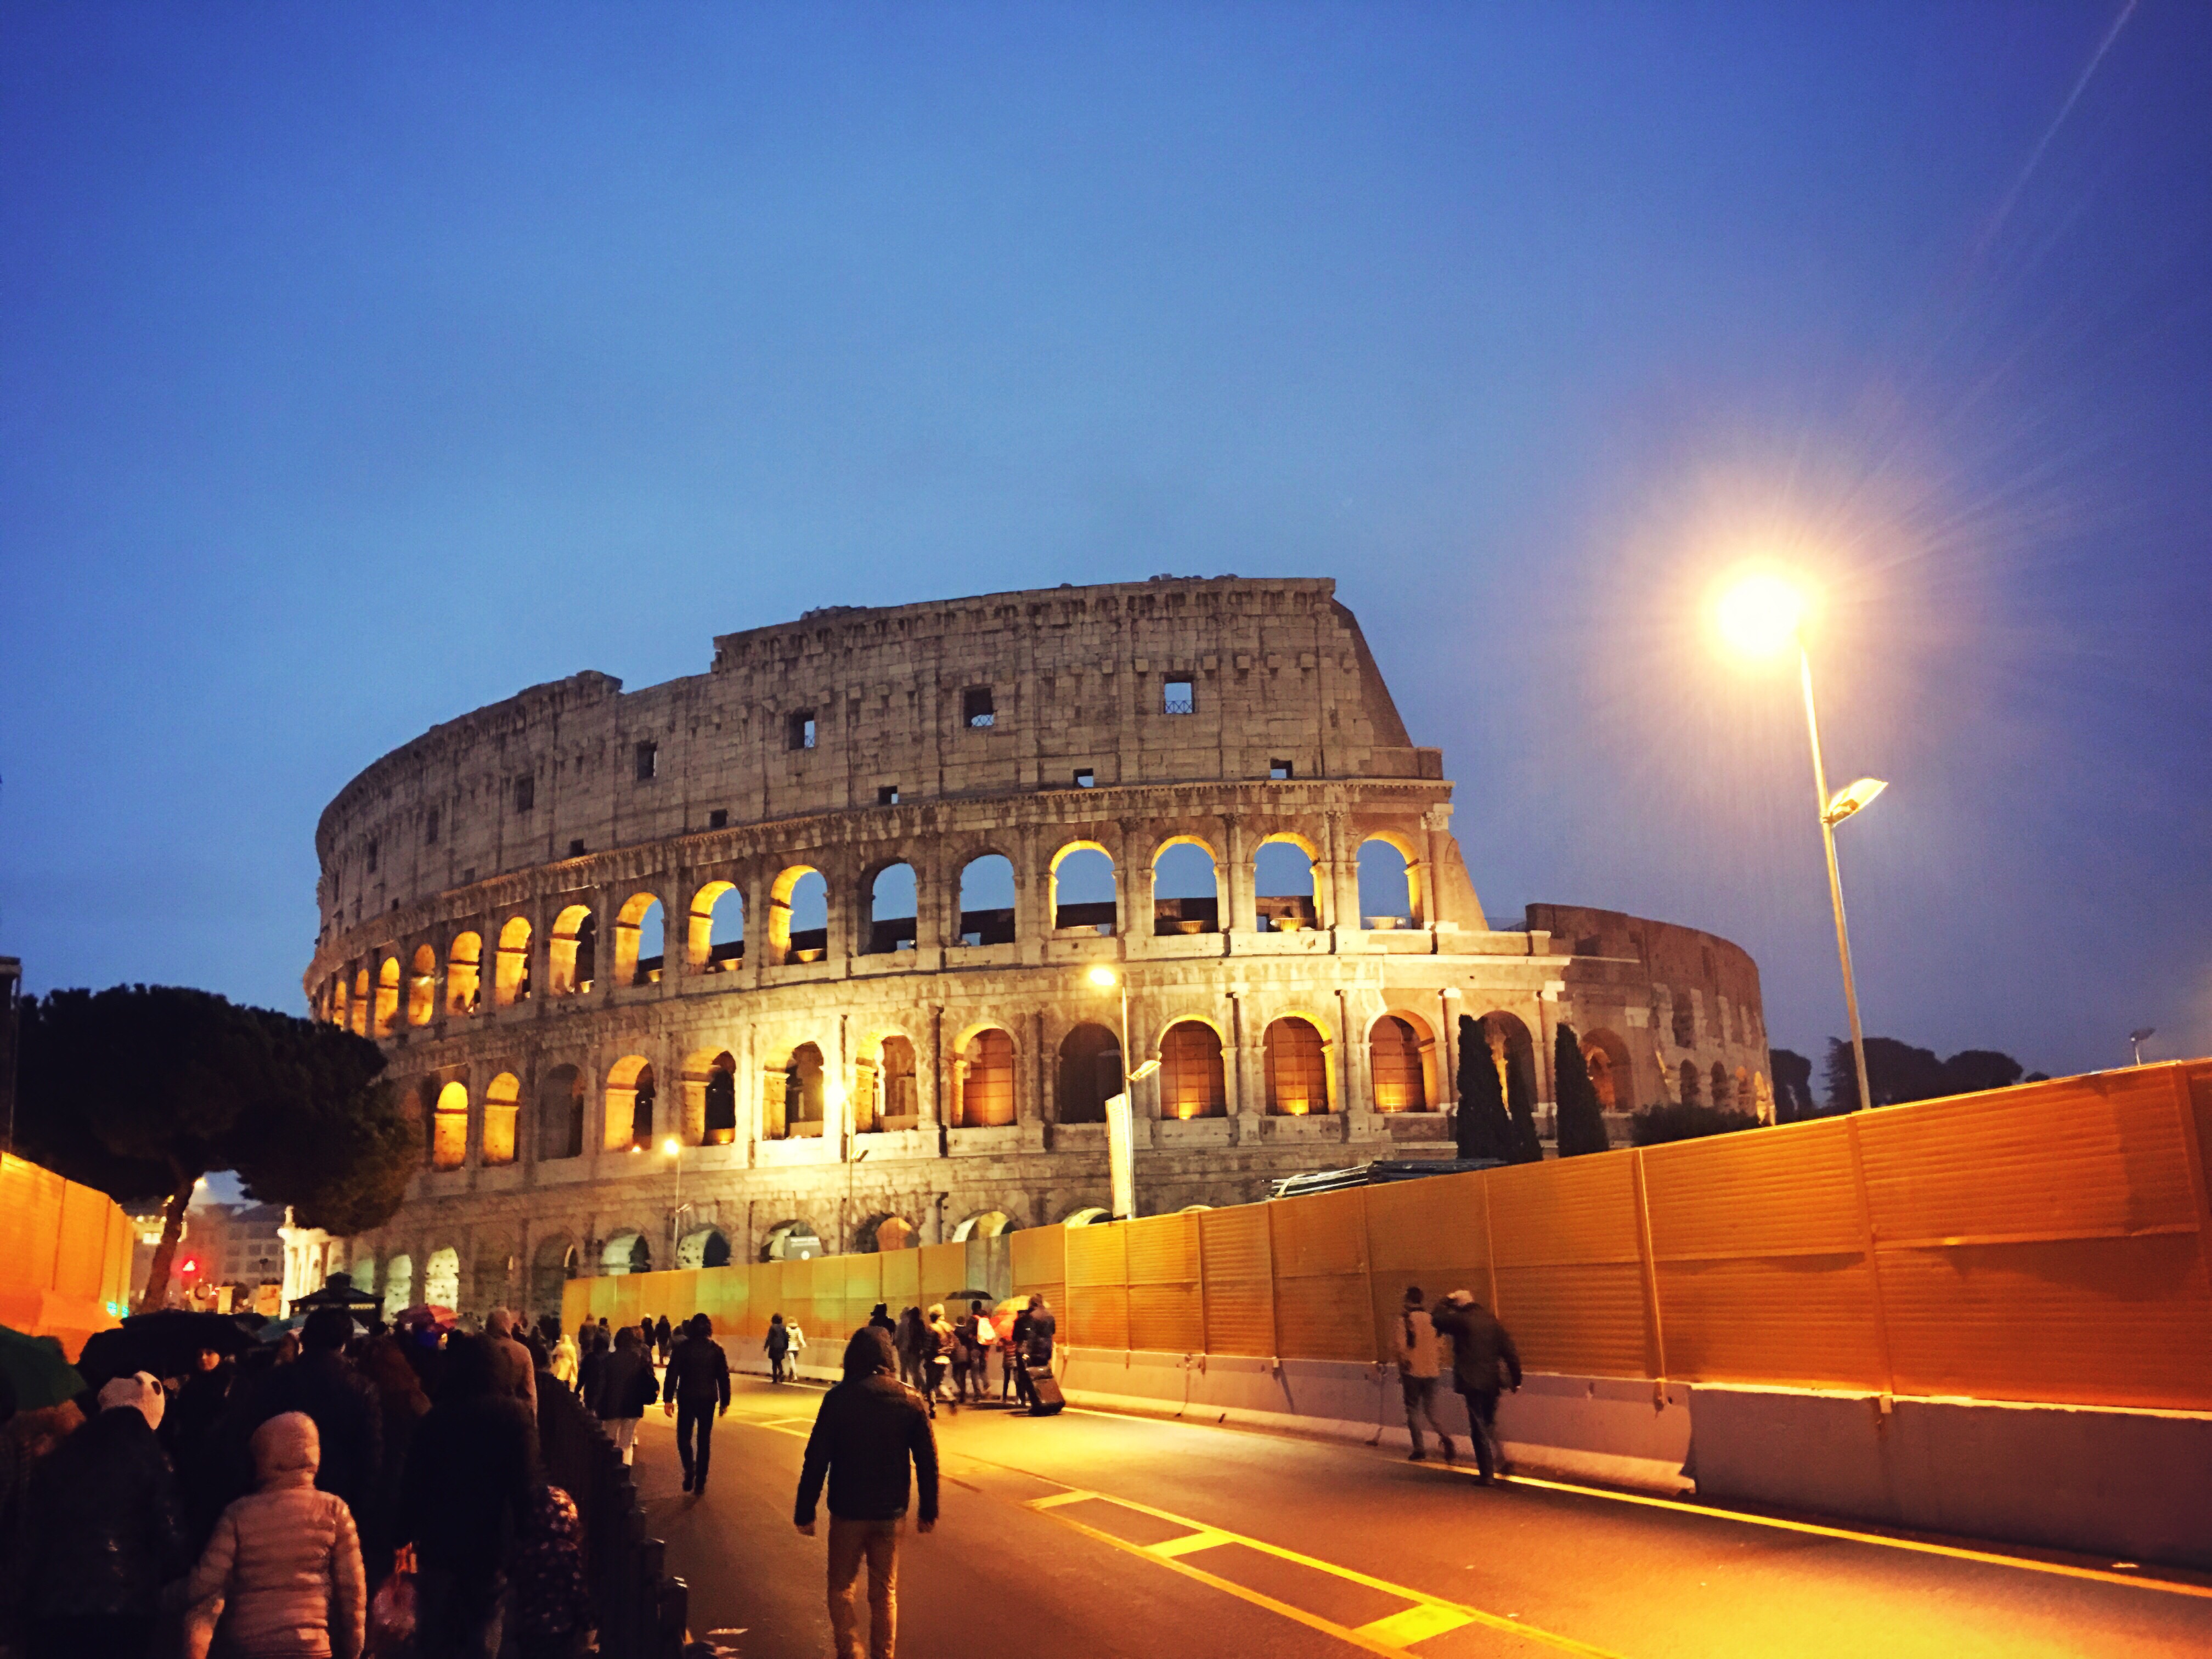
(36, 1371)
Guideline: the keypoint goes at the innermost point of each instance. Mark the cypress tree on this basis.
(1525, 1146)
(1482, 1130)
(1581, 1120)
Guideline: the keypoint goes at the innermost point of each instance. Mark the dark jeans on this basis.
(775, 1364)
(1482, 1426)
(1420, 1396)
(457, 1611)
(694, 1425)
(90, 1639)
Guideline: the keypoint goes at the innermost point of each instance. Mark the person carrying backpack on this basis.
(1420, 1361)
(777, 1346)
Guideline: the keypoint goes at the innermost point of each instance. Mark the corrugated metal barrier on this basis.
(2043, 1242)
(64, 1255)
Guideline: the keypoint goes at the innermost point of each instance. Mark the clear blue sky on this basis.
(361, 365)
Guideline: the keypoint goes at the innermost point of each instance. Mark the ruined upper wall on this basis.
(1077, 678)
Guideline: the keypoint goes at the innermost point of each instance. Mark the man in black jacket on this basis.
(1483, 1360)
(697, 1390)
(868, 1427)
(348, 1413)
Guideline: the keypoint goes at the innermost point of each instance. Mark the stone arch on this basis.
(1087, 1215)
(340, 1001)
(1611, 1071)
(627, 1251)
(1763, 1096)
(560, 1115)
(891, 910)
(1090, 1074)
(984, 1080)
(488, 1277)
(361, 1001)
(1723, 1088)
(511, 967)
(502, 1105)
(715, 929)
(1193, 1080)
(798, 895)
(1300, 1067)
(794, 1105)
(1693, 1090)
(1390, 879)
(984, 1223)
(552, 1265)
(423, 987)
(795, 1240)
(1286, 883)
(988, 898)
(1402, 1063)
(1186, 887)
(464, 974)
(710, 1098)
(704, 1247)
(1081, 884)
(641, 939)
(441, 1278)
(363, 1271)
(387, 996)
(575, 951)
(883, 1232)
(630, 1094)
(1512, 1051)
(398, 1285)
(449, 1127)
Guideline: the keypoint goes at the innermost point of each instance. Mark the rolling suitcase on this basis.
(1045, 1397)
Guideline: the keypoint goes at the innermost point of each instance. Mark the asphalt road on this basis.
(1092, 1536)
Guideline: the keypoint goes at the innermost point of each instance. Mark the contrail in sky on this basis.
(2012, 196)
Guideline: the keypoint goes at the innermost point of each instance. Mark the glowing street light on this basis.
(1121, 1130)
(1762, 614)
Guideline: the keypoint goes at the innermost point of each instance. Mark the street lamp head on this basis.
(672, 1145)
(1759, 613)
(1104, 978)
(1844, 802)
(1144, 1071)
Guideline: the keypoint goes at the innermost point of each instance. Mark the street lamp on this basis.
(1120, 1129)
(1762, 615)
(674, 1148)
(2138, 1038)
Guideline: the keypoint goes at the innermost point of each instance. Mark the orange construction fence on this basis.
(2047, 1241)
(64, 1255)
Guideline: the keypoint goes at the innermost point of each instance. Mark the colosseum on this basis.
(840, 945)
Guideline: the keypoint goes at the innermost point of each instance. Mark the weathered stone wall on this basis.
(1291, 737)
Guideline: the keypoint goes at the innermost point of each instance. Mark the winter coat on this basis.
(1036, 1349)
(625, 1385)
(1479, 1347)
(779, 1340)
(469, 1474)
(864, 1435)
(283, 1569)
(514, 1369)
(550, 1599)
(1414, 1344)
(566, 1360)
(698, 1373)
(348, 1415)
(103, 1523)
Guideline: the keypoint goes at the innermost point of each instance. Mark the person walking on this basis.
(1483, 1360)
(514, 1367)
(626, 1387)
(1420, 1355)
(697, 1390)
(567, 1358)
(663, 1337)
(982, 1336)
(907, 1342)
(1018, 1346)
(965, 1351)
(880, 1318)
(869, 1429)
(934, 1353)
(470, 1476)
(347, 1410)
(283, 1571)
(777, 1346)
(403, 1404)
(103, 1531)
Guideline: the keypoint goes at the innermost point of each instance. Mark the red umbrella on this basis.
(435, 1316)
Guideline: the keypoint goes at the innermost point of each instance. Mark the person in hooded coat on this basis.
(103, 1531)
(469, 1478)
(511, 1362)
(626, 1385)
(282, 1571)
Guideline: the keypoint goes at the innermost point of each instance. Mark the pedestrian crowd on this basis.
(338, 1495)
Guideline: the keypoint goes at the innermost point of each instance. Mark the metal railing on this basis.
(641, 1613)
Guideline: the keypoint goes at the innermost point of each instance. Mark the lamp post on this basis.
(1121, 1127)
(1762, 615)
(674, 1148)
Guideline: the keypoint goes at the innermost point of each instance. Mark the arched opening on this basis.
(629, 1104)
(626, 1253)
(891, 910)
(575, 950)
(425, 1115)
(1723, 1088)
(387, 997)
(502, 1104)
(986, 900)
(707, 1247)
(488, 1279)
(798, 916)
(1298, 1068)
(1401, 1063)
(986, 1081)
(398, 1285)
(511, 971)
(1089, 1216)
(441, 1278)
(364, 1273)
(1389, 886)
(794, 1107)
(1083, 889)
(464, 974)
(1186, 891)
(360, 1002)
(716, 942)
(449, 1127)
(1692, 1094)
(883, 1232)
(552, 1267)
(1286, 885)
(1763, 1096)
(1192, 1083)
(898, 1095)
(639, 942)
(423, 987)
(718, 1116)
(1513, 1051)
(341, 1002)
(560, 1115)
(791, 1240)
(987, 1224)
(1090, 1074)
(1611, 1072)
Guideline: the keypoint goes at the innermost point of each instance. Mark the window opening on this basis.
(976, 710)
(987, 900)
(888, 795)
(799, 729)
(372, 853)
(1178, 697)
(430, 828)
(526, 793)
(719, 819)
(576, 848)
(1279, 771)
(649, 762)
(891, 910)
(1085, 778)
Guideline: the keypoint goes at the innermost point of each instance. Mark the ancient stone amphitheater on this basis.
(833, 947)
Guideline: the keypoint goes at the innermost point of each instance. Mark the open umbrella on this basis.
(36, 1371)
(167, 1343)
(434, 1315)
(338, 1291)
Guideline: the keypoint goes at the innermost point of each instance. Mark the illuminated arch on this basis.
(627, 1252)
(1402, 1063)
(1082, 885)
(449, 1127)
(891, 905)
(629, 1103)
(1193, 1081)
(341, 1002)
(502, 1105)
(800, 938)
(640, 939)
(511, 968)
(1089, 1215)
(575, 951)
(1301, 1067)
(987, 1224)
(423, 987)
(398, 1285)
(1197, 911)
(983, 1076)
(464, 974)
(706, 1247)
(1286, 885)
(441, 1278)
(1611, 1071)
(887, 1095)
(1389, 882)
(715, 929)
(986, 877)
(387, 997)
(795, 1095)
(360, 1002)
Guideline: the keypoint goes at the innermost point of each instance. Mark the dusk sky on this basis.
(362, 364)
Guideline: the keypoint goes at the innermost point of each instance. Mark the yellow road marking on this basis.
(1430, 1615)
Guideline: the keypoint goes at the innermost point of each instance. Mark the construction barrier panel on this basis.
(2045, 1243)
(64, 1255)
